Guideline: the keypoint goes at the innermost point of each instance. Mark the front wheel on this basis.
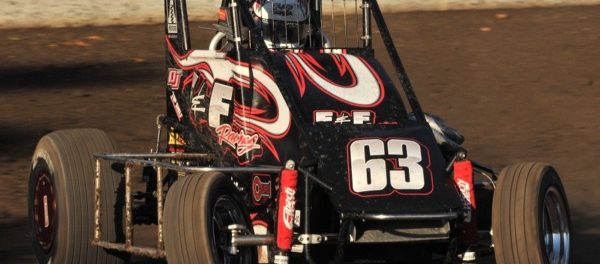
(61, 198)
(198, 211)
(530, 216)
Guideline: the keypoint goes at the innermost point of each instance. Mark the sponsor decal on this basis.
(240, 141)
(465, 190)
(176, 143)
(288, 210)
(463, 177)
(261, 188)
(176, 139)
(197, 86)
(172, 27)
(220, 104)
(355, 117)
(297, 217)
(198, 104)
(174, 78)
(217, 84)
(214, 78)
(176, 107)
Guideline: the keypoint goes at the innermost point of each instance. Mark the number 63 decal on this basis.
(378, 167)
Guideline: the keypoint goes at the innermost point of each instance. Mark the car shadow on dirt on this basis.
(17, 144)
(15, 242)
(79, 75)
(584, 233)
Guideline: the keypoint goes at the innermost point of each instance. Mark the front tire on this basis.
(198, 210)
(530, 216)
(61, 197)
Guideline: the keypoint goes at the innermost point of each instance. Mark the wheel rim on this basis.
(44, 211)
(555, 227)
(226, 212)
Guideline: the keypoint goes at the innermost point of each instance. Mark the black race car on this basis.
(287, 143)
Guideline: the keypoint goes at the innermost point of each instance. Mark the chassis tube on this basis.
(395, 58)
(253, 240)
(159, 207)
(128, 213)
(97, 203)
(366, 37)
(307, 192)
(184, 25)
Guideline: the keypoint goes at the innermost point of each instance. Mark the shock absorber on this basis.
(286, 210)
(463, 177)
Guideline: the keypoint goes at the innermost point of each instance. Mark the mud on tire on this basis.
(61, 198)
(530, 216)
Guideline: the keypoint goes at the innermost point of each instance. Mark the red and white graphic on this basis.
(355, 117)
(364, 88)
(463, 177)
(270, 121)
(286, 209)
(261, 188)
(289, 208)
(176, 107)
(240, 141)
(197, 104)
(220, 103)
(174, 78)
(379, 167)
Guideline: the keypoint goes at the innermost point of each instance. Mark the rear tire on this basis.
(198, 210)
(530, 216)
(61, 197)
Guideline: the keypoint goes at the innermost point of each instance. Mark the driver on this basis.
(284, 23)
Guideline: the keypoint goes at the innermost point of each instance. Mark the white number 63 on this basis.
(369, 170)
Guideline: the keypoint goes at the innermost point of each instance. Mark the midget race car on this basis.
(284, 142)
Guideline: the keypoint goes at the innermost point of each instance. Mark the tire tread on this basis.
(516, 212)
(70, 153)
(185, 221)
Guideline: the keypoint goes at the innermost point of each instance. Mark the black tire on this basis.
(198, 210)
(61, 197)
(530, 204)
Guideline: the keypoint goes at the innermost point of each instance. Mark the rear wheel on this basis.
(530, 216)
(61, 197)
(198, 210)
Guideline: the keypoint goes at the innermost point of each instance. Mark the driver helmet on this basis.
(284, 23)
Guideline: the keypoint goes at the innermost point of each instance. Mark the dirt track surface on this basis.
(524, 88)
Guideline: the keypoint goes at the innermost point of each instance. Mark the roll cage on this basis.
(236, 22)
